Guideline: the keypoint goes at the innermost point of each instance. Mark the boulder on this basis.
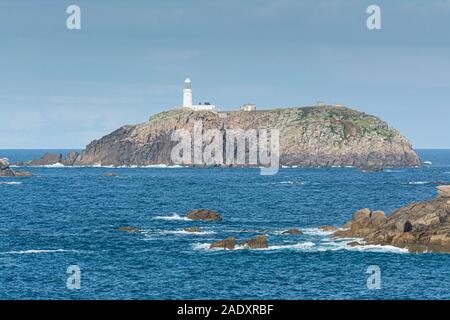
(204, 215)
(258, 242)
(292, 231)
(128, 229)
(444, 191)
(193, 229)
(420, 226)
(228, 243)
(377, 218)
(328, 228)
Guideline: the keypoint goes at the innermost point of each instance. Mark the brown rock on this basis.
(109, 174)
(228, 243)
(354, 244)
(203, 214)
(193, 229)
(128, 229)
(328, 228)
(22, 174)
(444, 191)
(292, 231)
(258, 242)
(377, 218)
(420, 226)
(47, 159)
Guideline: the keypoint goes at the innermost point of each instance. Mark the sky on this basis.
(62, 88)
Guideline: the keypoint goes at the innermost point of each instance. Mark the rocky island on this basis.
(319, 136)
(419, 227)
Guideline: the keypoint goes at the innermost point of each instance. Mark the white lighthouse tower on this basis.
(187, 94)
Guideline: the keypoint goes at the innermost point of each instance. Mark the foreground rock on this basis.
(322, 136)
(419, 227)
(6, 171)
(204, 215)
(228, 243)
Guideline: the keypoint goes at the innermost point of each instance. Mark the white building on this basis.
(248, 107)
(187, 99)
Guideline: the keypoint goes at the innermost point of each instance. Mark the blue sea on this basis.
(69, 216)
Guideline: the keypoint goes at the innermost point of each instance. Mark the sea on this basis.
(59, 236)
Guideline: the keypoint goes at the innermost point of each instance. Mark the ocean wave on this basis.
(99, 165)
(35, 251)
(308, 246)
(173, 217)
(184, 232)
(292, 182)
(10, 182)
(316, 232)
(418, 182)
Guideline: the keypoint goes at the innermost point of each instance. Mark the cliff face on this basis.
(309, 137)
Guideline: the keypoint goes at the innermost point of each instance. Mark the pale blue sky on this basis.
(61, 88)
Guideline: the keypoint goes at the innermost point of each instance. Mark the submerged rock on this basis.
(109, 174)
(193, 229)
(128, 229)
(258, 242)
(204, 215)
(228, 243)
(420, 226)
(292, 231)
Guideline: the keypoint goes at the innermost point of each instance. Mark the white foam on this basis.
(37, 251)
(418, 182)
(173, 217)
(10, 182)
(296, 246)
(184, 232)
(316, 232)
(292, 182)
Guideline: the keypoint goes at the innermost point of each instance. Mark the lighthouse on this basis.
(187, 94)
(187, 99)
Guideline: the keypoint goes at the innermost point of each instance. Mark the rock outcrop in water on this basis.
(309, 137)
(204, 214)
(6, 171)
(419, 227)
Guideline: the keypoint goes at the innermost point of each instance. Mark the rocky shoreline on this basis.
(419, 227)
